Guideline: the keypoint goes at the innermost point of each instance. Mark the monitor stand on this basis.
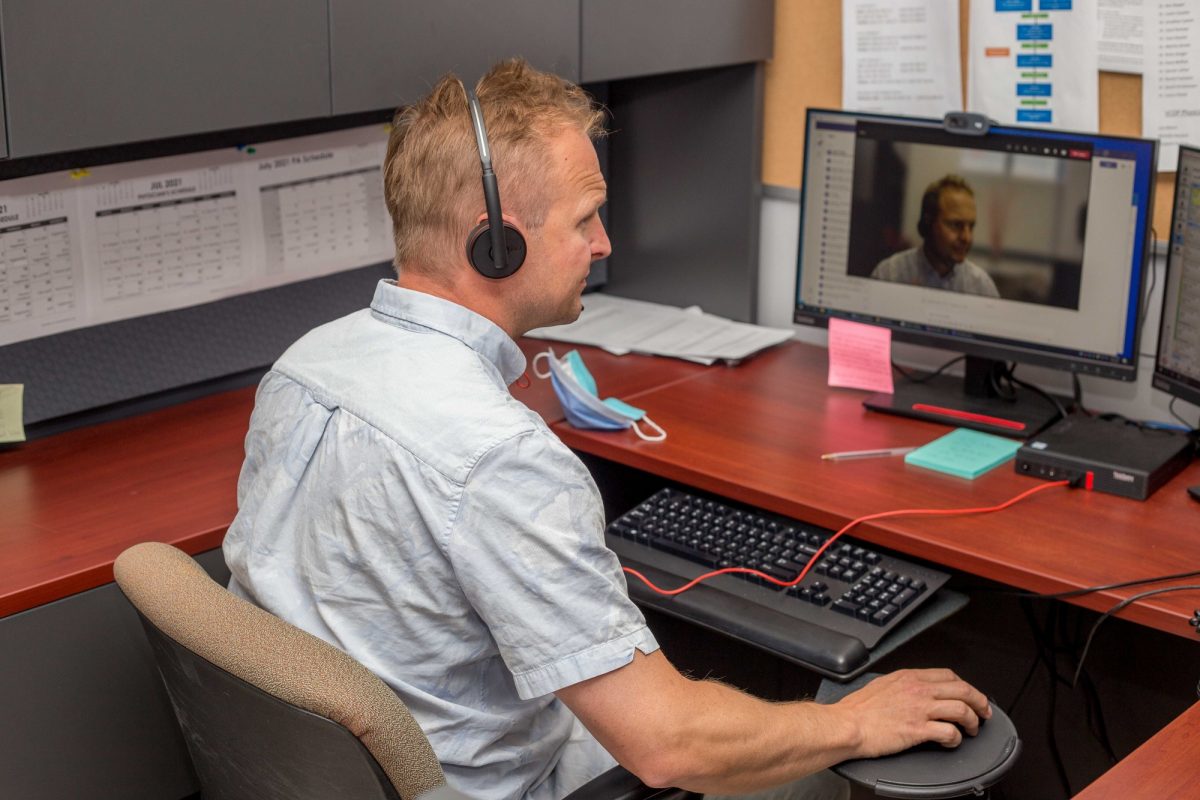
(970, 402)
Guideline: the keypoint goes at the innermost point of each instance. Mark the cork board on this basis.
(806, 71)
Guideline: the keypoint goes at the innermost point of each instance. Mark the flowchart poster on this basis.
(1035, 62)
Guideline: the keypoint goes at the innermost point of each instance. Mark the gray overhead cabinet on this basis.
(82, 74)
(3, 131)
(386, 53)
(632, 38)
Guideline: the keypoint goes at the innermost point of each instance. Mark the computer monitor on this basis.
(1177, 366)
(1020, 244)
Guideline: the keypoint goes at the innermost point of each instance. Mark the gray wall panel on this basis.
(387, 53)
(92, 367)
(627, 38)
(686, 168)
(3, 114)
(85, 714)
(83, 74)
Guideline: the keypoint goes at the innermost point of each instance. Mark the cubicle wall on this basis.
(806, 71)
(682, 79)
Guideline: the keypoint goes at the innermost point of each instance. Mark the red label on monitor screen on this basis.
(1075, 153)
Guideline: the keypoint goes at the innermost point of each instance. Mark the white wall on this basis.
(776, 298)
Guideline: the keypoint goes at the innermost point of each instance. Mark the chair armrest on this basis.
(621, 784)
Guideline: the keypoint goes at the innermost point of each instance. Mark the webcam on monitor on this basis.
(966, 123)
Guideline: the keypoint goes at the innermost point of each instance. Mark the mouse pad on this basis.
(930, 770)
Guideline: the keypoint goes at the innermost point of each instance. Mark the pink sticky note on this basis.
(860, 356)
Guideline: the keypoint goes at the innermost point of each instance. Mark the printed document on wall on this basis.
(901, 57)
(1034, 62)
(109, 242)
(41, 277)
(1122, 35)
(1171, 84)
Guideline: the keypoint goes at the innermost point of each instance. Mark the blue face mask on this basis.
(581, 403)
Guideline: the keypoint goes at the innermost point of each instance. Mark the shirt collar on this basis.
(398, 306)
(928, 265)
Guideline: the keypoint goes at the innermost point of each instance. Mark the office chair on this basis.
(269, 711)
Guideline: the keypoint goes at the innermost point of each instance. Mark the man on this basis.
(947, 226)
(399, 503)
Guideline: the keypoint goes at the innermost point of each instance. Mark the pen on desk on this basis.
(891, 451)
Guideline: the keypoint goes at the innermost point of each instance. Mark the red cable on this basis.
(820, 552)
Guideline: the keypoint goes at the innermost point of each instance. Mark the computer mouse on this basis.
(1194, 491)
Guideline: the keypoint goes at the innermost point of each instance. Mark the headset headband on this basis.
(491, 189)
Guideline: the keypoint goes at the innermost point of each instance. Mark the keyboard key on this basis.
(776, 572)
(845, 607)
(884, 615)
(682, 550)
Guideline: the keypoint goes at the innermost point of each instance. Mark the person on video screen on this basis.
(947, 226)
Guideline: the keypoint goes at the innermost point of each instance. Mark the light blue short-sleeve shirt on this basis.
(912, 267)
(399, 503)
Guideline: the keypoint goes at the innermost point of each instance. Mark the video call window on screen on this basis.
(1023, 244)
(1008, 220)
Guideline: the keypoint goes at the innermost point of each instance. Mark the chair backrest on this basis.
(268, 710)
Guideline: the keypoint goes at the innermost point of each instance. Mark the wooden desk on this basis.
(72, 503)
(1163, 767)
(756, 432)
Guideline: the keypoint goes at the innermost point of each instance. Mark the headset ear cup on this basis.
(479, 250)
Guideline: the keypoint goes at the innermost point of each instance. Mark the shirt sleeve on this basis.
(527, 547)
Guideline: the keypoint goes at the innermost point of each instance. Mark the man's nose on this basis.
(601, 246)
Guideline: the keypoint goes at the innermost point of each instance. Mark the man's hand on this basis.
(896, 711)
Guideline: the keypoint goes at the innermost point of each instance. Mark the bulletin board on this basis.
(806, 71)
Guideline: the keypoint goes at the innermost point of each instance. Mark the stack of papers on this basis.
(621, 326)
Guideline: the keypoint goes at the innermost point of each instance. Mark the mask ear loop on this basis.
(660, 436)
(546, 355)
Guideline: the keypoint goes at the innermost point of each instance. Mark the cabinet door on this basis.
(3, 129)
(630, 38)
(81, 73)
(389, 52)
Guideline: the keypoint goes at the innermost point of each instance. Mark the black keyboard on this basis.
(850, 600)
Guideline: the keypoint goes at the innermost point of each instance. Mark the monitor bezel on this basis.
(964, 342)
(1165, 379)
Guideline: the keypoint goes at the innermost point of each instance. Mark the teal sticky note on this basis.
(963, 452)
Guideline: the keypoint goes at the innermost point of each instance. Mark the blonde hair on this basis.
(431, 174)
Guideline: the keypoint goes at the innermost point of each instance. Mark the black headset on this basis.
(494, 248)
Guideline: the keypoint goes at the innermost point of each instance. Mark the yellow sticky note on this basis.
(12, 420)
